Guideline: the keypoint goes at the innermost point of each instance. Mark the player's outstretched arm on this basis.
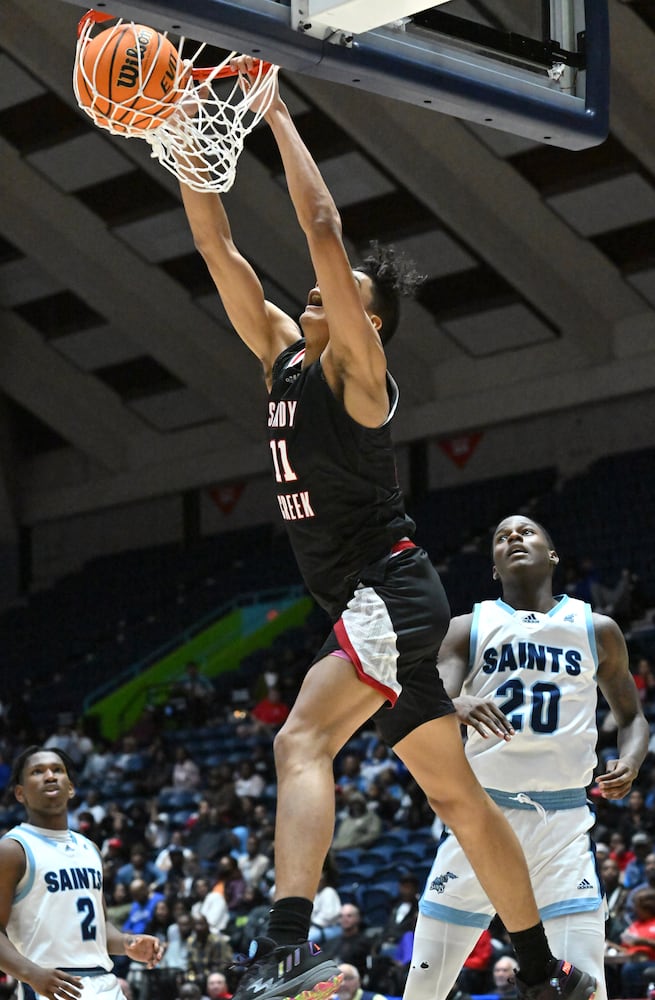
(50, 983)
(620, 691)
(479, 713)
(264, 328)
(354, 356)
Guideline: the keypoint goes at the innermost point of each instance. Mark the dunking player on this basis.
(528, 667)
(330, 410)
(54, 933)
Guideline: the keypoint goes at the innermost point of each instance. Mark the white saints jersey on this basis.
(57, 918)
(540, 669)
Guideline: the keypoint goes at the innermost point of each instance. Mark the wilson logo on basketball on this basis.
(128, 74)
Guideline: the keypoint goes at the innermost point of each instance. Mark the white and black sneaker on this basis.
(288, 972)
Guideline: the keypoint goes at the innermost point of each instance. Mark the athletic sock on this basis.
(536, 961)
(289, 920)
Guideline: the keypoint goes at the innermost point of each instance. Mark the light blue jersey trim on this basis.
(586, 905)
(450, 915)
(505, 606)
(591, 634)
(29, 861)
(473, 638)
(568, 798)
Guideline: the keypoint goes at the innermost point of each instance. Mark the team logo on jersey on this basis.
(569, 618)
(439, 883)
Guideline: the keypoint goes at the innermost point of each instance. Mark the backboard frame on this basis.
(432, 72)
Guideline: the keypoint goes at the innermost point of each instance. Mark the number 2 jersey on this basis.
(337, 487)
(540, 670)
(57, 918)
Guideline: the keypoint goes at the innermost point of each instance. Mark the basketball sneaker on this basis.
(565, 983)
(288, 972)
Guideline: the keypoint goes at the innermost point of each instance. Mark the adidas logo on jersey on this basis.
(531, 618)
(585, 884)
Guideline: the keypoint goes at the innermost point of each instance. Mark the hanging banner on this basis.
(226, 497)
(459, 449)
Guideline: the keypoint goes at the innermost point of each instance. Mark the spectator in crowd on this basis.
(143, 906)
(253, 863)
(327, 906)
(230, 882)
(619, 851)
(349, 774)
(198, 693)
(648, 883)
(119, 903)
(176, 956)
(139, 867)
(206, 951)
(351, 986)
(351, 945)
(644, 676)
(270, 712)
(475, 974)
(248, 782)
(504, 984)
(616, 895)
(361, 827)
(211, 835)
(248, 920)
(216, 987)
(634, 872)
(636, 817)
(186, 773)
(402, 917)
(210, 904)
(637, 945)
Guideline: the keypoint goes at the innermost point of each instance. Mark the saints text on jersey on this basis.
(525, 655)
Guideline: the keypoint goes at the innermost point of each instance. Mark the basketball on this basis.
(129, 76)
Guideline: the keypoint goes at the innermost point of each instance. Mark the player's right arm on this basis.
(262, 326)
(481, 714)
(50, 983)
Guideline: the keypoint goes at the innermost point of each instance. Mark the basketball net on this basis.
(201, 141)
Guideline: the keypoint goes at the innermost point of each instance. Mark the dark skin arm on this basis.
(620, 692)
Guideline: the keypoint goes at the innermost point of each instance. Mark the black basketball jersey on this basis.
(337, 486)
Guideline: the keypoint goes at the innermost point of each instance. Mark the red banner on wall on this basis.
(226, 497)
(459, 449)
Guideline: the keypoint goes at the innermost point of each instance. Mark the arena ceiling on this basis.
(120, 376)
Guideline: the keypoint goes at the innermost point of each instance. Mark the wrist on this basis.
(129, 940)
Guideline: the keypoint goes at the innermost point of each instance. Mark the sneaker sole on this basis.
(322, 991)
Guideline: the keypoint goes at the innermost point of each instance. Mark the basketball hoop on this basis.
(201, 138)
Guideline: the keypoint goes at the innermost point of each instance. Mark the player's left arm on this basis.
(144, 948)
(620, 692)
(354, 360)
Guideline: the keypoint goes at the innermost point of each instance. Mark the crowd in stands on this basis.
(182, 809)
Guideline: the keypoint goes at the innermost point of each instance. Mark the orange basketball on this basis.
(129, 75)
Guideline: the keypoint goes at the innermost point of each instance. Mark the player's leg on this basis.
(439, 952)
(581, 937)
(434, 755)
(331, 705)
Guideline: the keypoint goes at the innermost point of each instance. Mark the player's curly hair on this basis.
(22, 759)
(393, 275)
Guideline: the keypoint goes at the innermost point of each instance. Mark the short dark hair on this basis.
(19, 763)
(525, 517)
(392, 275)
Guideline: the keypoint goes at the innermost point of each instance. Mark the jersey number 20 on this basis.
(544, 710)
